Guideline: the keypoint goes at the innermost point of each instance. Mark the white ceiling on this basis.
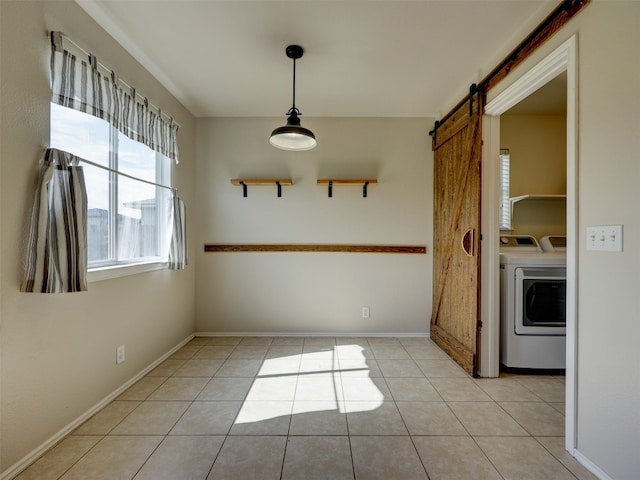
(386, 58)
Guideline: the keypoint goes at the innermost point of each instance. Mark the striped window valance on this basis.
(79, 83)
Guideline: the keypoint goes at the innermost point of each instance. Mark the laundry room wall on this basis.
(538, 166)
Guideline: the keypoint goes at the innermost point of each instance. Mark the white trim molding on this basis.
(563, 58)
(31, 457)
(311, 334)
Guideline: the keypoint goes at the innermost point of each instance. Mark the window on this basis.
(505, 202)
(127, 217)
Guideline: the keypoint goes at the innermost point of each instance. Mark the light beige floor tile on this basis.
(537, 418)
(319, 386)
(549, 388)
(198, 341)
(284, 351)
(385, 458)
(256, 341)
(522, 458)
(239, 368)
(374, 418)
(280, 366)
(199, 368)
(506, 389)
(354, 351)
(106, 419)
(180, 388)
(184, 458)
(186, 352)
(430, 418)
(559, 406)
(425, 352)
(414, 341)
(384, 341)
(221, 388)
(351, 367)
(273, 388)
(317, 458)
(249, 352)
(264, 461)
(318, 418)
(441, 368)
(454, 458)
(207, 418)
(214, 352)
(58, 460)
(317, 364)
(555, 446)
(365, 389)
(320, 341)
(459, 389)
(486, 418)
(389, 352)
(151, 418)
(142, 388)
(263, 418)
(114, 458)
(352, 341)
(412, 390)
(299, 341)
(399, 368)
(166, 368)
(224, 340)
(317, 351)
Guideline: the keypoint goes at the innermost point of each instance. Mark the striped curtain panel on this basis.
(57, 249)
(178, 242)
(78, 84)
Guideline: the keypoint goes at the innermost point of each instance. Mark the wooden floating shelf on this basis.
(316, 248)
(244, 182)
(365, 182)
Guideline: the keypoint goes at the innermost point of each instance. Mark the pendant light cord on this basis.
(293, 108)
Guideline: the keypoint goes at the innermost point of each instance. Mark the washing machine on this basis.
(533, 303)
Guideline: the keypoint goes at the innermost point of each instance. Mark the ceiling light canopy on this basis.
(293, 136)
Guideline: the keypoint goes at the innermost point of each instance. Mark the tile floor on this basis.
(319, 408)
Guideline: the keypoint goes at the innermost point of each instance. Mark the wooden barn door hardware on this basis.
(330, 182)
(278, 182)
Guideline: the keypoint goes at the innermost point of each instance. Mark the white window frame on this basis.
(112, 267)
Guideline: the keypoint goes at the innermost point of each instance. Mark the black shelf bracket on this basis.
(244, 189)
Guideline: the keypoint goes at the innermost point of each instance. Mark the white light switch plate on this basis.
(604, 238)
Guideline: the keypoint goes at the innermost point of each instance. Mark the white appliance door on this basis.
(540, 301)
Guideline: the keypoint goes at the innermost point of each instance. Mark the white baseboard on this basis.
(309, 334)
(22, 464)
(589, 465)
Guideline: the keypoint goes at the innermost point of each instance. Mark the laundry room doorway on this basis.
(558, 66)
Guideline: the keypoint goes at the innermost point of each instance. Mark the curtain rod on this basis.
(104, 67)
(80, 159)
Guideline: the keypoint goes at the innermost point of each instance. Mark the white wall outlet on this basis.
(119, 354)
(365, 312)
(604, 238)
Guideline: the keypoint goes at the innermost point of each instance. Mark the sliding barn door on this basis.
(456, 236)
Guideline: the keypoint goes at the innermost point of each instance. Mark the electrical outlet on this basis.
(365, 312)
(119, 354)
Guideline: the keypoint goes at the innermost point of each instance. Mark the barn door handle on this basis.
(468, 242)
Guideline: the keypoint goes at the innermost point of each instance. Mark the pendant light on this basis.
(293, 136)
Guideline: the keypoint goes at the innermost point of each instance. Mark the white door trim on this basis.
(563, 58)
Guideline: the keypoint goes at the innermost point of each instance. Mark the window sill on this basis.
(116, 271)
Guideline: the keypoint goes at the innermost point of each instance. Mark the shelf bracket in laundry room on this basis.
(535, 197)
(330, 182)
(245, 182)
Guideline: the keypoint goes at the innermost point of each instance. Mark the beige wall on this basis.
(537, 146)
(58, 351)
(608, 395)
(306, 292)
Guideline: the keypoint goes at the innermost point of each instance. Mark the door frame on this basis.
(563, 58)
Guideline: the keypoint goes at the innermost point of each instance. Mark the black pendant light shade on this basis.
(293, 136)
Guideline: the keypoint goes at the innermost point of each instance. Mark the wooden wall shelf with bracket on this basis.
(245, 182)
(365, 182)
